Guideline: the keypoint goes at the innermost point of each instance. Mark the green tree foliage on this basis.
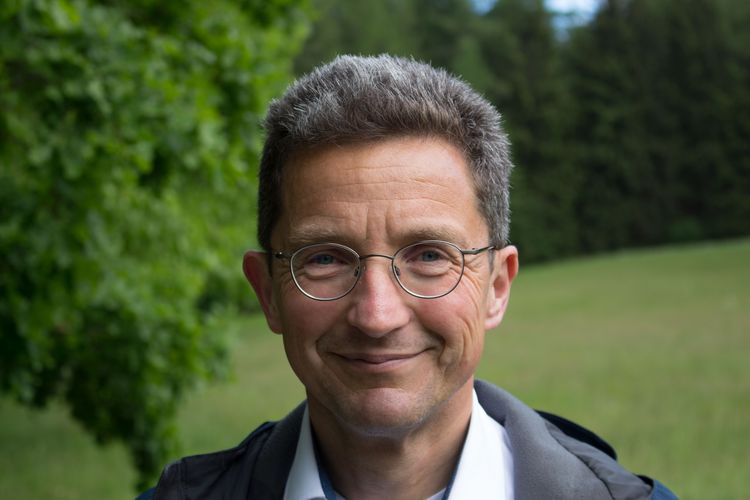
(357, 27)
(442, 29)
(129, 133)
(439, 31)
(662, 116)
(522, 49)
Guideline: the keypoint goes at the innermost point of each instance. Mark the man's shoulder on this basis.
(252, 469)
(553, 456)
(516, 416)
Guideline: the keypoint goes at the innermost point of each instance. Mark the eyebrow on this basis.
(309, 235)
(442, 232)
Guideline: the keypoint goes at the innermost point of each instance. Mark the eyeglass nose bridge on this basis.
(363, 265)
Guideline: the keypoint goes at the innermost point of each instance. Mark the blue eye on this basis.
(323, 259)
(429, 256)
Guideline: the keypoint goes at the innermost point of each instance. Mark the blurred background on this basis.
(129, 139)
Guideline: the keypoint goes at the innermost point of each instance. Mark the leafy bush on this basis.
(128, 138)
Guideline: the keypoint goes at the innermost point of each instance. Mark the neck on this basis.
(414, 462)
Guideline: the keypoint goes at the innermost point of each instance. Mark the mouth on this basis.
(378, 362)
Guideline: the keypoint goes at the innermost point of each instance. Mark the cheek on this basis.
(304, 322)
(458, 318)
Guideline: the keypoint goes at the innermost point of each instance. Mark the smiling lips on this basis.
(377, 362)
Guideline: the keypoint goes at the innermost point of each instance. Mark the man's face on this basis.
(380, 360)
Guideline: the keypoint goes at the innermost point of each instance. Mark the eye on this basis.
(323, 262)
(429, 255)
(322, 259)
(424, 253)
(328, 257)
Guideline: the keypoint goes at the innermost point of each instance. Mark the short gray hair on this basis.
(363, 99)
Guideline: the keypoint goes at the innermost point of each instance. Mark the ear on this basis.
(255, 266)
(505, 269)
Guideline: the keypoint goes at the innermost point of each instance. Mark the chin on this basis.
(384, 412)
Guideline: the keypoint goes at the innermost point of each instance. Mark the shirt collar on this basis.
(303, 482)
(485, 468)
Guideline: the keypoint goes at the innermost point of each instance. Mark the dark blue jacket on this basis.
(553, 458)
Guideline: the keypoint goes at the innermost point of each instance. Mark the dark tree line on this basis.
(631, 129)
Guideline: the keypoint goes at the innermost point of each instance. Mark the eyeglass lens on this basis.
(425, 269)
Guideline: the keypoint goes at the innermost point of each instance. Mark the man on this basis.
(383, 216)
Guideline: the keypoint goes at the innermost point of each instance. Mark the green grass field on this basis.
(648, 348)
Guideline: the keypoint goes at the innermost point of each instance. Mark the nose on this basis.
(378, 304)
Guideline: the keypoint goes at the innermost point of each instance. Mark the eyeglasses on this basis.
(427, 269)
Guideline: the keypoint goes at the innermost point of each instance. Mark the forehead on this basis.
(397, 190)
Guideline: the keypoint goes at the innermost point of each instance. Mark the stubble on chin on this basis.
(387, 412)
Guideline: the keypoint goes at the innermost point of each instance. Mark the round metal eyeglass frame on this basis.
(394, 269)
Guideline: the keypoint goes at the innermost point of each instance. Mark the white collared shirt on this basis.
(485, 469)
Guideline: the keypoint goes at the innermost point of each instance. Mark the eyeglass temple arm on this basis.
(475, 251)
